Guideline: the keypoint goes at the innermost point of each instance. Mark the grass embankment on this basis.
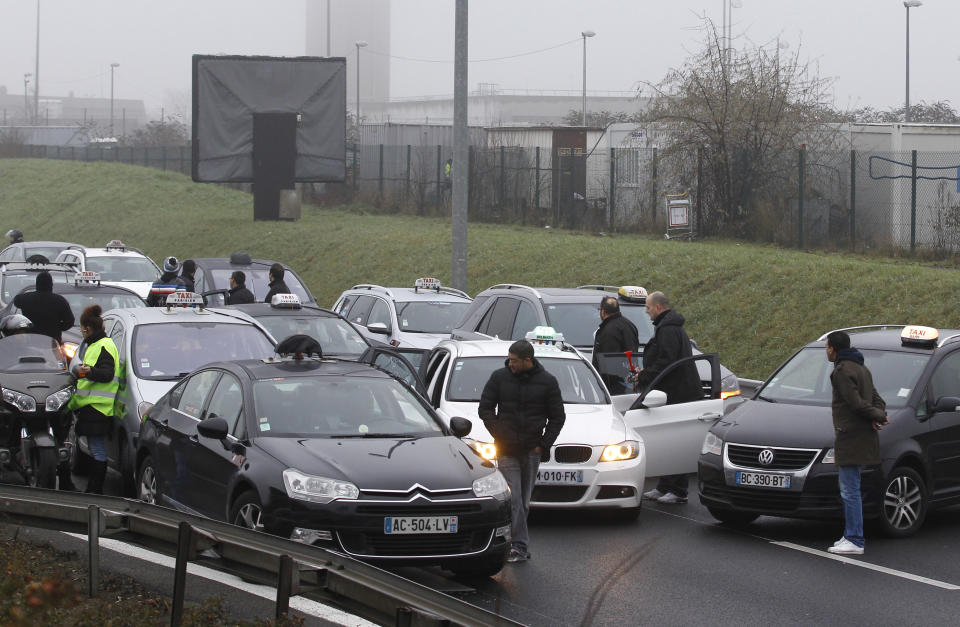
(752, 304)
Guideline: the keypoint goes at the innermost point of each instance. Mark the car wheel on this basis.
(44, 468)
(247, 511)
(148, 486)
(731, 517)
(478, 568)
(904, 504)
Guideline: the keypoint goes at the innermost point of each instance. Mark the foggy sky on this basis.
(858, 43)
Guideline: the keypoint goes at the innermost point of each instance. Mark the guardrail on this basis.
(292, 567)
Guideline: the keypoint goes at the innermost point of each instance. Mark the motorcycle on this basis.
(35, 387)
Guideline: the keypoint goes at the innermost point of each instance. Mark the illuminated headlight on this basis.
(492, 485)
(23, 402)
(487, 450)
(317, 489)
(70, 349)
(712, 445)
(627, 449)
(830, 457)
(729, 386)
(58, 399)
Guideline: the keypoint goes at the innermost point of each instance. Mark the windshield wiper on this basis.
(374, 435)
(764, 398)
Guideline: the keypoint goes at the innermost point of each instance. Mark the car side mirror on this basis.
(946, 404)
(214, 428)
(379, 328)
(460, 426)
(655, 398)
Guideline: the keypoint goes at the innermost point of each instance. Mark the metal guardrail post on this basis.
(93, 550)
(185, 531)
(284, 585)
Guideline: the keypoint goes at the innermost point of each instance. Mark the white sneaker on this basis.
(838, 542)
(671, 499)
(652, 495)
(845, 547)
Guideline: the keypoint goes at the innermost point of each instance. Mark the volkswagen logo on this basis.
(765, 457)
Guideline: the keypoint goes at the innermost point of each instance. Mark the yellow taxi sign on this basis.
(919, 335)
(632, 292)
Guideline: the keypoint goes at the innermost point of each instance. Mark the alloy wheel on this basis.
(249, 516)
(902, 502)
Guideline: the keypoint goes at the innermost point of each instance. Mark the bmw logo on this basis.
(765, 457)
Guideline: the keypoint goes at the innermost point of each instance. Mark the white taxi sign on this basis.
(115, 244)
(427, 283)
(544, 335)
(918, 335)
(285, 301)
(184, 299)
(86, 277)
(632, 292)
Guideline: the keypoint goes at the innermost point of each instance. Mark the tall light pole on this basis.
(26, 101)
(583, 116)
(908, 4)
(113, 66)
(359, 44)
(36, 71)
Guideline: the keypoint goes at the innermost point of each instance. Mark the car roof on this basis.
(71, 288)
(266, 309)
(23, 267)
(38, 242)
(558, 294)
(887, 337)
(112, 252)
(284, 368)
(160, 315)
(500, 348)
(224, 263)
(409, 294)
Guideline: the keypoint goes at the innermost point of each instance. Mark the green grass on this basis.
(752, 304)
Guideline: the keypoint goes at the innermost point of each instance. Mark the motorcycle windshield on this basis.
(30, 352)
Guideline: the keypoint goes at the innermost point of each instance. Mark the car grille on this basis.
(783, 459)
(406, 509)
(572, 454)
(558, 493)
(414, 545)
(770, 500)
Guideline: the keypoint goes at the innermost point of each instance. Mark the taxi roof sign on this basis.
(544, 335)
(917, 335)
(633, 292)
(115, 244)
(86, 276)
(427, 283)
(181, 298)
(285, 301)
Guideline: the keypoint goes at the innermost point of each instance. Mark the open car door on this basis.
(396, 364)
(673, 434)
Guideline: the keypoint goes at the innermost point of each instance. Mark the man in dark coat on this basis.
(858, 413)
(239, 294)
(522, 408)
(670, 343)
(277, 285)
(189, 268)
(616, 334)
(168, 283)
(50, 313)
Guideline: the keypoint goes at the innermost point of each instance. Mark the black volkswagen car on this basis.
(773, 455)
(329, 452)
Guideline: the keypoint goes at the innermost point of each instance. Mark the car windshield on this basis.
(578, 383)
(123, 268)
(107, 301)
(429, 316)
(30, 352)
(172, 349)
(258, 282)
(13, 284)
(336, 336)
(805, 379)
(50, 252)
(339, 406)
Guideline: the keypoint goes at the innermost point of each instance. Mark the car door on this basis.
(396, 364)
(673, 434)
(380, 315)
(436, 375)
(184, 467)
(358, 312)
(216, 461)
(525, 321)
(499, 320)
(943, 439)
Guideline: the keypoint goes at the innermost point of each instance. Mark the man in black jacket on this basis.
(616, 334)
(670, 343)
(50, 313)
(188, 269)
(277, 284)
(522, 408)
(239, 294)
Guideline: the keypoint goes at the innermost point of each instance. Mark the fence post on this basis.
(801, 164)
(653, 187)
(613, 188)
(163, 155)
(853, 200)
(470, 168)
(503, 154)
(380, 178)
(913, 200)
(406, 183)
(356, 173)
(699, 208)
(536, 182)
(439, 166)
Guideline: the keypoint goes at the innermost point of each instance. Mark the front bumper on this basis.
(590, 484)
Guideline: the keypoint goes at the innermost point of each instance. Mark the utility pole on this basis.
(36, 71)
(461, 152)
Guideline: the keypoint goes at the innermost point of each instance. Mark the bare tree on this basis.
(749, 111)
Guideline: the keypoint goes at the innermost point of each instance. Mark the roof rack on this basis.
(608, 288)
(869, 327)
(453, 290)
(514, 286)
(372, 286)
(950, 339)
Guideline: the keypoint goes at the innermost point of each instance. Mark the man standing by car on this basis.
(670, 343)
(239, 294)
(188, 269)
(858, 413)
(277, 284)
(616, 334)
(50, 313)
(522, 408)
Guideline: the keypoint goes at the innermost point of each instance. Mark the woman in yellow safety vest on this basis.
(98, 379)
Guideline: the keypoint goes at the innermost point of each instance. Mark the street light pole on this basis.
(908, 4)
(113, 66)
(583, 116)
(359, 44)
(26, 101)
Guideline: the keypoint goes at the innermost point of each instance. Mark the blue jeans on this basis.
(849, 477)
(520, 473)
(98, 447)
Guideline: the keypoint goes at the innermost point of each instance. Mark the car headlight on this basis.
(57, 400)
(712, 445)
(70, 349)
(729, 386)
(487, 450)
(492, 485)
(627, 449)
(23, 402)
(830, 457)
(304, 487)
